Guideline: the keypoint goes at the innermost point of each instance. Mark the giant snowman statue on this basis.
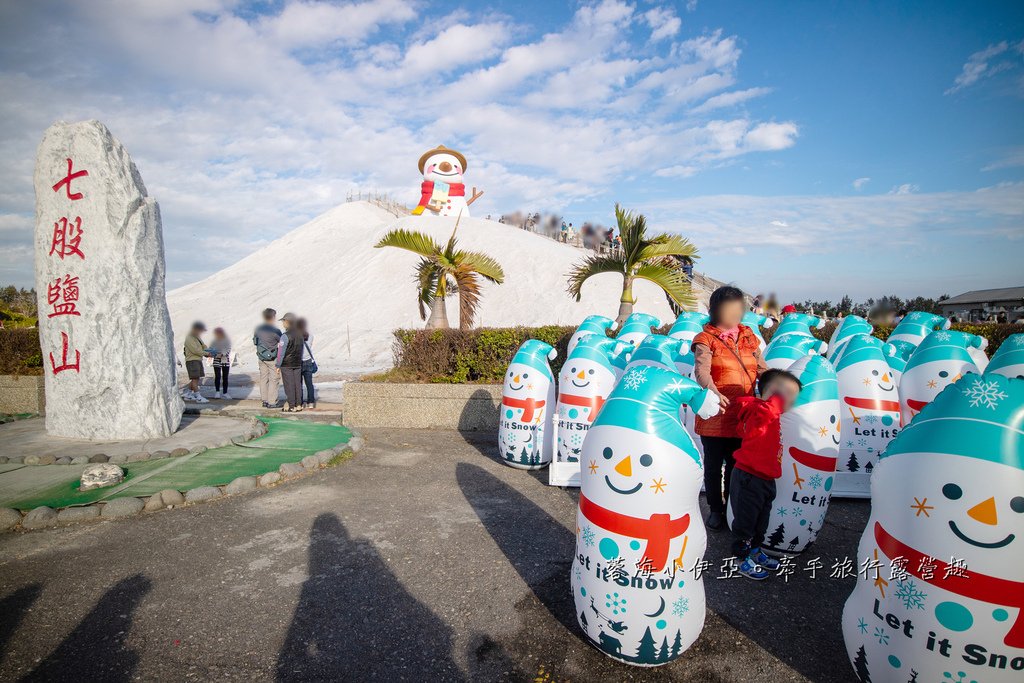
(443, 192)
(639, 524)
(943, 596)
(525, 428)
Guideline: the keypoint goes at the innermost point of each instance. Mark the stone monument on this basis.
(104, 329)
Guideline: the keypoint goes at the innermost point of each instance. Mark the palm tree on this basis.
(442, 270)
(641, 257)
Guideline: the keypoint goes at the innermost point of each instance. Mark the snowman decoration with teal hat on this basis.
(688, 325)
(810, 447)
(592, 324)
(798, 323)
(788, 348)
(917, 325)
(870, 410)
(658, 350)
(944, 592)
(639, 528)
(587, 378)
(636, 327)
(525, 432)
(941, 359)
(1008, 360)
(897, 355)
(850, 326)
(755, 321)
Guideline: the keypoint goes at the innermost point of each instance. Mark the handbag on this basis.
(312, 360)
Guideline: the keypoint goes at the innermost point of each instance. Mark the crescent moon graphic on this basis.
(657, 612)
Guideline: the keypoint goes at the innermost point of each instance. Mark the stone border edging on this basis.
(257, 428)
(465, 407)
(46, 517)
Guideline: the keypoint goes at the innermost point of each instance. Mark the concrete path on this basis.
(422, 559)
(29, 437)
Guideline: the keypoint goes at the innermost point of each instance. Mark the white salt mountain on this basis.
(99, 261)
(355, 296)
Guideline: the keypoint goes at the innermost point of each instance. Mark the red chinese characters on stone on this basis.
(67, 236)
(62, 295)
(64, 364)
(66, 182)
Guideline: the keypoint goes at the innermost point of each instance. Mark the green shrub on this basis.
(20, 353)
(481, 356)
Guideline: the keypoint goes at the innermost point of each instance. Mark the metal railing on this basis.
(379, 199)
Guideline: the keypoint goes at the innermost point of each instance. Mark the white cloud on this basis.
(730, 99)
(1012, 158)
(980, 65)
(859, 183)
(664, 23)
(691, 5)
(905, 188)
(779, 224)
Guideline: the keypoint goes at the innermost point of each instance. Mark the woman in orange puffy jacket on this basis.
(728, 361)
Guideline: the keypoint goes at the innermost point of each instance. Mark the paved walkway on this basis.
(422, 559)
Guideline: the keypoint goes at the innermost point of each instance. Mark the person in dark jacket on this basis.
(289, 363)
(758, 465)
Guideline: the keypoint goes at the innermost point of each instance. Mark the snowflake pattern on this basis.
(849, 444)
(910, 595)
(781, 512)
(798, 511)
(881, 635)
(681, 607)
(862, 442)
(871, 419)
(1019, 341)
(862, 625)
(635, 378)
(815, 481)
(588, 536)
(985, 393)
(577, 439)
(943, 336)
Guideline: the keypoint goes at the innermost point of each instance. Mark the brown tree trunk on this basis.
(626, 301)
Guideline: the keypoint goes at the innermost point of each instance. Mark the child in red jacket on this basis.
(758, 465)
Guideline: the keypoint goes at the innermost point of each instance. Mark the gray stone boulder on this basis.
(78, 514)
(172, 497)
(197, 450)
(39, 517)
(311, 462)
(154, 503)
(9, 518)
(291, 469)
(270, 478)
(138, 457)
(123, 507)
(202, 493)
(99, 475)
(240, 485)
(159, 455)
(15, 459)
(118, 253)
(63, 460)
(119, 459)
(80, 460)
(177, 452)
(356, 443)
(40, 459)
(99, 457)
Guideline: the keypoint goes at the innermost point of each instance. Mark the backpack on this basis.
(264, 352)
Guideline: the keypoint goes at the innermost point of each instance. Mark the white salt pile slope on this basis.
(355, 296)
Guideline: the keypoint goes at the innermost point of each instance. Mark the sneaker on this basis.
(752, 570)
(266, 405)
(770, 563)
(716, 521)
(198, 398)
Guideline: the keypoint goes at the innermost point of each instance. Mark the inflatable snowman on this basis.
(1008, 360)
(636, 327)
(810, 446)
(442, 192)
(943, 595)
(798, 323)
(592, 324)
(850, 326)
(688, 325)
(755, 322)
(656, 349)
(639, 528)
(869, 411)
(941, 359)
(897, 354)
(917, 325)
(524, 428)
(789, 348)
(684, 362)
(588, 376)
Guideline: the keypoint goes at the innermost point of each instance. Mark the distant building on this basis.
(982, 304)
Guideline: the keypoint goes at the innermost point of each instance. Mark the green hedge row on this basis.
(482, 355)
(20, 353)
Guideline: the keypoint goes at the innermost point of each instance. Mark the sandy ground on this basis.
(424, 558)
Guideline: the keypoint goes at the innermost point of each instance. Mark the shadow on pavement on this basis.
(355, 620)
(537, 546)
(96, 650)
(12, 611)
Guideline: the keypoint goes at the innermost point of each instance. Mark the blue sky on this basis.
(813, 148)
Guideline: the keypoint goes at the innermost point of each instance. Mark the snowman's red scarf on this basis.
(971, 585)
(822, 463)
(529, 405)
(658, 530)
(427, 191)
(873, 404)
(592, 402)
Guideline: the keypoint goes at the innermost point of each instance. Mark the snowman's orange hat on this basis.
(441, 149)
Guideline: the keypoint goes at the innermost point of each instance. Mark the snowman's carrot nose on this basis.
(516, 379)
(985, 512)
(581, 375)
(885, 377)
(625, 467)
